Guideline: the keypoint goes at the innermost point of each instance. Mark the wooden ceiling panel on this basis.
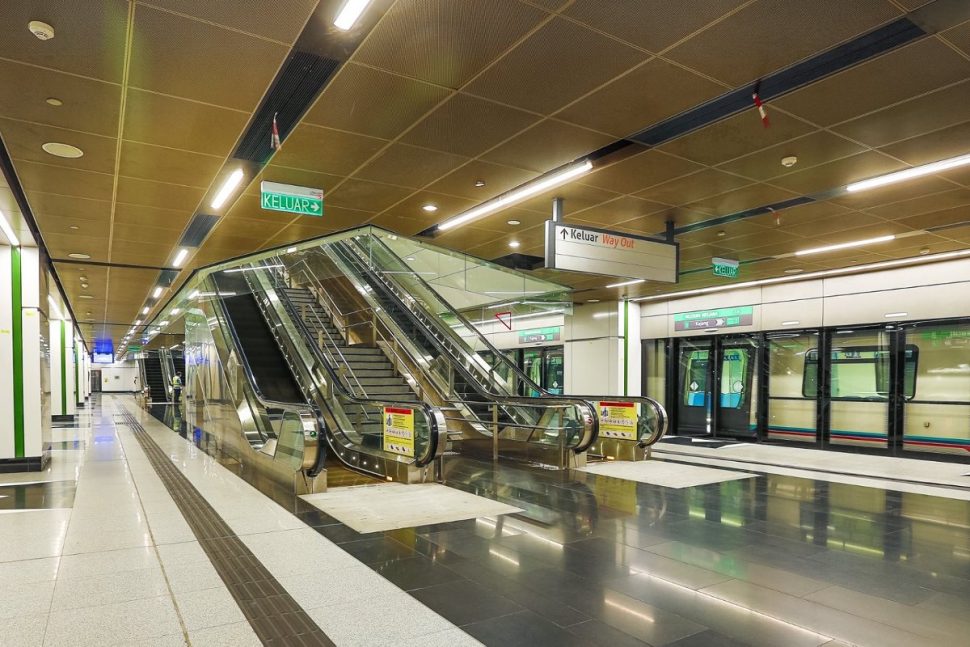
(693, 187)
(641, 98)
(716, 235)
(409, 166)
(768, 35)
(137, 234)
(88, 105)
(941, 218)
(640, 171)
(142, 216)
(177, 123)
(279, 20)
(146, 162)
(62, 206)
(547, 145)
(186, 58)
(141, 253)
(82, 28)
(62, 245)
(622, 209)
(736, 136)
(923, 204)
(372, 102)
(72, 226)
(324, 150)
(65, 181)
(811, 150)
(466, 125)
(497, 178)
(366, 196)
(444, 42)
(649, 23)
(917, 68)
(159, 195)
(938, 145)
(555, 64)
(24, 142)
(811, 212)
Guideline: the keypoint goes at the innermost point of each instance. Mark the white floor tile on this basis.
(23, 631)
(208, 608)
(29, 570)
(122, 623)
(237, 634)
(359, 583)
(107, 562)
(25, 599)
(389, 619)
(109, 588)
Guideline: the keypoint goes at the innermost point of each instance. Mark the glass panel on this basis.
(734, 377)
(654, 370)
(532, 366)
(859, 388)
(937, 408)
(553, 372)
(737, 388)
(693, 398)
(791, 387)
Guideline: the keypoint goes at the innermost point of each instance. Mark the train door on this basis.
(532, 367)
(553, 370)
(733, 377)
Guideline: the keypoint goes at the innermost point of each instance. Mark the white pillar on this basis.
(7, 430)
(602, 349)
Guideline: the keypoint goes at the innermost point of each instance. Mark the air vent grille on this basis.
(199, 227)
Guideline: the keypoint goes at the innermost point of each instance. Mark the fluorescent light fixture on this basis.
(8, 230)
(250, 269)
(175, 311)
(891, 315)
(157, 293)
(620, 285)
(855, 269)
(137, 322)
(350, 13)
(517, 195)
(227, 188)
(790, 323)
(145, 310)
(194, 294)
(54, 309)
(180, 257)
(290, 250)
(514, 244)
(909, 174)
(855, 243)
(163, 323)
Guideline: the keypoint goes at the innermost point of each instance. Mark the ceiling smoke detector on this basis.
(789, 161)
(40, 29)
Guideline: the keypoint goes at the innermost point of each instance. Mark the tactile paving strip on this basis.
(274, 615)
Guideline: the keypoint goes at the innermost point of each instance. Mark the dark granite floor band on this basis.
(274, 615)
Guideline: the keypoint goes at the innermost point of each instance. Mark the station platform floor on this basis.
(136, 536)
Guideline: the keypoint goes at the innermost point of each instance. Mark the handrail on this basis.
(662, 418)
(436, 441)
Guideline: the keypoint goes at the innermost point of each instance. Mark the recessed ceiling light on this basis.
(514, 244)
(157, 293)
(58, 149)
(410, 258)
(74, 227)
(592, 300)
(794, 270)
(180, 257)
(84, 296)
(53, 101)
(83, 278)
(895, 314)
(81, 256)
(84, 285)
(623, 283)
(430, 208)
(790, 323)
(290, 250)
(721, 233)
(144, 310)
(479, 183)
(513, 222)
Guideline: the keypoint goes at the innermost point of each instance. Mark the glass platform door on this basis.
(737, 386)
(694, 380)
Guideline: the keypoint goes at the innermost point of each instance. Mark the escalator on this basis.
(154, 377)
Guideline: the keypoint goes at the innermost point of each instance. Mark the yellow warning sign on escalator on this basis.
(399, 431)
(618, 420)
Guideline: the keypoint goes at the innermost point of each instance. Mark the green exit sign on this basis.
(725, 267)
(134, 349)
(291, 199)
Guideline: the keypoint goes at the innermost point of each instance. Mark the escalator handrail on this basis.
(436, 444)
(662, 417)
(590, 421)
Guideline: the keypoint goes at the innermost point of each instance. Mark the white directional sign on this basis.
(599, 251)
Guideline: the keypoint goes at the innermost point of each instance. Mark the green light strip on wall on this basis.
(17, 330)
(63, 368)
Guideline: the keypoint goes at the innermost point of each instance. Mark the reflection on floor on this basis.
(593, 560)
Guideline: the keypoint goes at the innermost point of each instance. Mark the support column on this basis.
(602, 349)
(10, 438)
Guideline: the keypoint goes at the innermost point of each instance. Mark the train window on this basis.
(860, 373)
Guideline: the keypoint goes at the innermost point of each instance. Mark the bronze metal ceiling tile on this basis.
(874, 230)
(736, 136)
(409, 166)
(893, 193)
(123, 234)
(576, 197)
(941, 218)
(618, 210)
(466, 125)
(811, 212)
(560, 61)
(811, 150)
(176, 123)
(749, 197)
(941, 144)
(200, 61)
(641, 98)
(366, 196)
(654, 224)
(443, 42)
(8, 204)
(719, 234)
(959, 36)
(694, 186)
(643, 170)
(325, 150)
(780, 241)
(141, 215)
(159, 195)
(547, 145)
(838, 173)
(448, 206)
(89, 105)
(24, 142)
(81, 28)
(497, 178)
(372, 102)
(937, 246)
(831, 225)
(334, 219)
(60, 225)
(61, 245)
(766, 36)
(64, 206)
(920, 67)
(64, 181)
(393, 221)
(280, 20)
(147, 162)
(925, 204)
(141, 254)
(924, 114)
(651, 24)
(240, 240)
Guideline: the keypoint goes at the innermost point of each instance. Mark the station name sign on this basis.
(600, 251)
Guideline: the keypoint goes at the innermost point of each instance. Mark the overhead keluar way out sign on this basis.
(600, 251)
(292, 199)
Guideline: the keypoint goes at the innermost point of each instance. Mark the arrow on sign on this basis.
(719, 322)
(315, 206)
(564, 234)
